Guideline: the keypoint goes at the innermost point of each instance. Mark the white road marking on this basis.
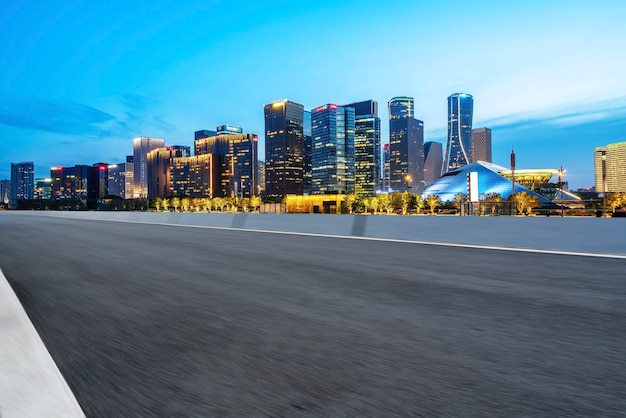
(31, 384)
(381, 239)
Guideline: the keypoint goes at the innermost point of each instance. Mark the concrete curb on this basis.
(31, 385)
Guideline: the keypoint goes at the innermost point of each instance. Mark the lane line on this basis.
(31, 384)
(379, 239)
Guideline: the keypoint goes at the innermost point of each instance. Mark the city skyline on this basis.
(81, 82)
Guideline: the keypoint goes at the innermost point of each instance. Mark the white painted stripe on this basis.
(31, 384)
(381, 239)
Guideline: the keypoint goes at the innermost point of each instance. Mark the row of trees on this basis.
(205, 204)
(615, 200)
(389, 203)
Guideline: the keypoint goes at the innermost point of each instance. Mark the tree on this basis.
(375, 203)
(185, 202)
(492, 201)
(175, 202)
(219, 203)
(420, 203)
(205, 203)
(459, 199)
(615, 200)
(408, 201)
(385, 203)
(433, 201)
(158, 202)
(254, 202)
(524, 202)
(348, 203)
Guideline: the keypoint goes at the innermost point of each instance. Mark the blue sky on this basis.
(80, 79)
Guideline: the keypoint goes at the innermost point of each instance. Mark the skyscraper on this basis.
(159, 165)
(332, 143)
(120, 181)
(307, 152)
(386, 170)
(235, 159)
(22, 181)
(284, 148)
(481, 145)
(610, 168)
(142, 145)
(433, 161)
(406, 147)
(459, 144)
(5, 191)
(367, 163)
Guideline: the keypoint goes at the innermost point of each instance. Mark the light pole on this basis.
(604, 183)
(408, 180)
(560, 174)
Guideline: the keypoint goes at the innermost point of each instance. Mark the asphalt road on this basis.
(147, 320)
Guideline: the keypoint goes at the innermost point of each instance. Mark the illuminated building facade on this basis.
(193, 176)
(332, 146)
(406, 147)
(159, 164)
(433, 161)
(120, 180)
(42, 189)
(307, 153)
(142, 145)
(481, 145)
(459, 144)
(236, 159)
(204, 133)
(5, 191)
(98, 181)
(610, 160)
(284, 148)
(386, 166)
(70, 182)
(22, 181)
(367, 163)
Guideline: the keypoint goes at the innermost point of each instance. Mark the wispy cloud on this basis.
(51, 116)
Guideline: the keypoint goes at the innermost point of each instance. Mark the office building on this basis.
(406, 147)
(204, 133)
(42, 189)
(307, 153)
(261, 186)
(386, 167)
(194, 176)
(610, 168)
(228, 130)
(433, 161)
(120, 180)
(159, 165)
(332, 145)
(481, 145)
(22, 181)
(236, 162)
(98, 181)
(5, 191)
(284, 148)
(459, 143)
(367, 147)
(70, 182)
(142, 145)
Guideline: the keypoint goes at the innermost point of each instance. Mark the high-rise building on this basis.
(5, 191)
(120, 180)
(98, 181)
(307, 153)
(459, 144)
(142, 145)
(367, 163)
(236, 159)
(203, 134)
(159, 165)
(229, 130)
(332, 145)
(284, 148)
(433, 161)
(42, 189)
(261, 186)
(194, 176)
(609, 163)
(70, 182)
(481, 145)
(22, 181)
(386, 167)
(406, 147)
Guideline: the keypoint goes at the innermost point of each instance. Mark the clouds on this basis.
(51, 116)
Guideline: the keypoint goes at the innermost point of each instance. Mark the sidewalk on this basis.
(30, 382)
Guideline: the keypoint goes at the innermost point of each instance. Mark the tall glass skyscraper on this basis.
(367, 163)
(142, 145)
(459, 145)
(406, 147)
(332, 143)
(22, 181)
(284, 148)
(433, 160)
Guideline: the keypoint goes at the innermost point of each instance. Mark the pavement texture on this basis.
(148, 320)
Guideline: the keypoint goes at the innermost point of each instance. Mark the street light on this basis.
(561, 172)
(408, 180)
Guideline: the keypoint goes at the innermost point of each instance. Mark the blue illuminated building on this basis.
(406, 147)
(459, 144)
